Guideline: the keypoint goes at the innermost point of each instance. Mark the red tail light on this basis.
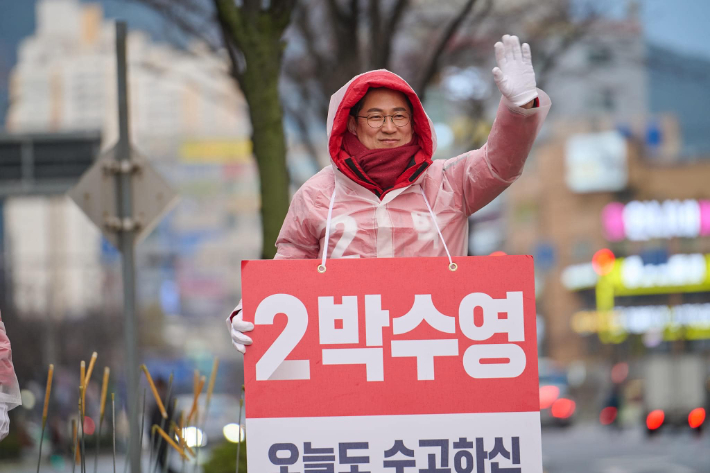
(548, 395)
(696, 418)
(655, 419)
(608, 415)
(563, 408)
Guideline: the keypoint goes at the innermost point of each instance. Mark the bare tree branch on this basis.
(375, 30)
(282, 10)
(169, 11)
(388, 34)
(337, 12)
(346, 57)
(550, 59)
(232, 20)
(251, 7)
(304, 134)
(449, 31)
(235, 65)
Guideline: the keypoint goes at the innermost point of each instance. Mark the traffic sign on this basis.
(96, 194)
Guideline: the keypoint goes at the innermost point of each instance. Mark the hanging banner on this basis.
(392, 365)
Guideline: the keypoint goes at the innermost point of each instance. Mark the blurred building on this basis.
(678, 83)
(603, 73)
(186, 116)
(590, 188)
(612, 172)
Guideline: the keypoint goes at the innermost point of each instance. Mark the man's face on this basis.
(382, 102)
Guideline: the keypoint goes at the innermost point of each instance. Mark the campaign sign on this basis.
(392, 365)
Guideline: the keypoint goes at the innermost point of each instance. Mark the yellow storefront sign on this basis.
(216, 151)
(683, 322)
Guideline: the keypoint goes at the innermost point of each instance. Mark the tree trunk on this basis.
(262, 95)
(257, 35)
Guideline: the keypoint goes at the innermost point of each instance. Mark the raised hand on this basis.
(514, 74)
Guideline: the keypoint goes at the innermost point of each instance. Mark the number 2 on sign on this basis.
(274, 365)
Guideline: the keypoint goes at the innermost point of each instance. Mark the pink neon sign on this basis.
(647, 220)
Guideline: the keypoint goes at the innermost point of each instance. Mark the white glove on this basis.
(4, 421)
(237, 326)
(514, 75)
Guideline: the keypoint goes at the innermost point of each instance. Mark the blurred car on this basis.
(674, 392)
(557, 408)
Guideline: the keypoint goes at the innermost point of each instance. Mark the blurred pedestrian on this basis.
(614, 401)
(383, 195)
(9, 388)
(160, 446)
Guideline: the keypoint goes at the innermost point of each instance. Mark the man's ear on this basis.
(352, 125)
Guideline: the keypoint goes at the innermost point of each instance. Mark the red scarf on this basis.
(382, 166)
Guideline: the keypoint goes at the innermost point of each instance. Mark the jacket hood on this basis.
(350, 94)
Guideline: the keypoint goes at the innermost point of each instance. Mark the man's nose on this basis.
(389, 126)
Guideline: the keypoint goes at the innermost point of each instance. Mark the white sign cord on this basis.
(322, 268)
(452, 265)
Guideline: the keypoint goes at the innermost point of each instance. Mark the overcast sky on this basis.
(677, 24)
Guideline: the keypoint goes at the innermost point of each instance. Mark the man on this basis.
(9, 389)
(383, 196)
(160, 446)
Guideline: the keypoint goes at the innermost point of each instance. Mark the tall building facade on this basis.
(187, 117)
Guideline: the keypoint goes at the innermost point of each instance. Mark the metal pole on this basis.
(126, 244)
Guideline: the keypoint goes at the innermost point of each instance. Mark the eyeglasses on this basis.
(377, 120)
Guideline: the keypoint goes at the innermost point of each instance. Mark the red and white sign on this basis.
(392, 365)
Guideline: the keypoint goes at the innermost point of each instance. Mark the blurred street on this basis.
(29, 465)
(583, 448)
(592, 448)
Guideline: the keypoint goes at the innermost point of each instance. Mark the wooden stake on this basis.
(113, 421)
(198, 390)
(170, 441)
(155, 392)
(104, 388)
(85, 380)
(47, 393)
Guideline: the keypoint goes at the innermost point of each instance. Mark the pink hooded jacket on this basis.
(401, 224)
(9, 389)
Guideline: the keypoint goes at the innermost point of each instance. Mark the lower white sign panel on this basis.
(441, 443)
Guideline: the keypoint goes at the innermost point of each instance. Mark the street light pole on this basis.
(126, 238)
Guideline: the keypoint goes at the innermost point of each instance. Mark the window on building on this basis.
(599, 55)
(602, 100)
(608, 100)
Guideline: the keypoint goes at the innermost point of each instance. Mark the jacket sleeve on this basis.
(9, 388)
(479, 176)
(296, 239)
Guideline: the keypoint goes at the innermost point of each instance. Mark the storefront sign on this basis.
(392, 365)
(630, 276)
(647, 220)
(216, 151)
(596, 162)
(680, 270)
(685, 321)
(579, 276)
